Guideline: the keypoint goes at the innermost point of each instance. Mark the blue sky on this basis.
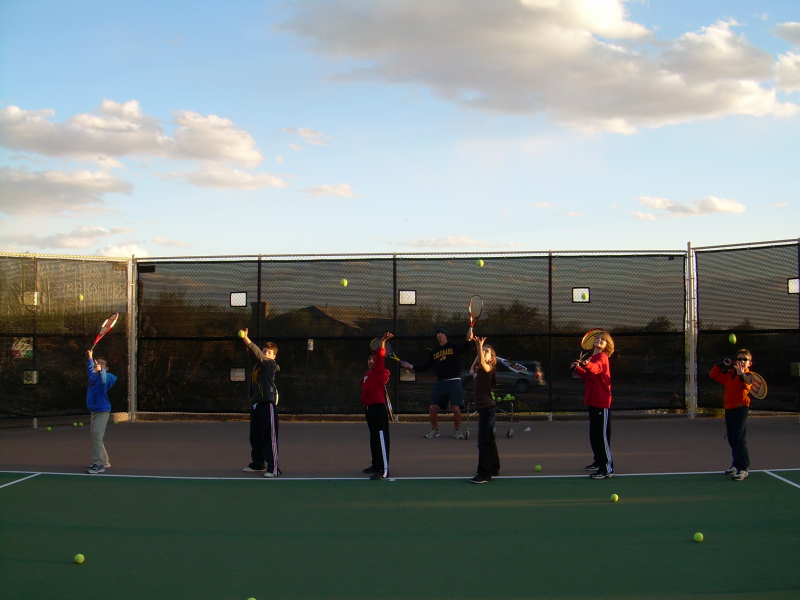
(349, 126)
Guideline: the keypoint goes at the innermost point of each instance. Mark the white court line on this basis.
(782, 479)
(18, 480)
(464, 477)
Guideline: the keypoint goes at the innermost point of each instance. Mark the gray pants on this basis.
(98, 429)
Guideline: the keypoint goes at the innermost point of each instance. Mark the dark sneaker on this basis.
(731, 471)
(591, 467)
(95, 469)
(601, 475)
(252, 469)
(479, 479)
(376, 475)
(740, 475)
(371, 469)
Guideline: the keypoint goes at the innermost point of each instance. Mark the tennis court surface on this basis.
(540, 537)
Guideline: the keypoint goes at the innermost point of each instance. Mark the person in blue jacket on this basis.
(100, 381)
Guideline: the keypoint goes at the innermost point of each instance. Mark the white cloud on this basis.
(705, 206)
(295, 146)
(789, 72)
(788, 31)
(171, 243)
(643, 216)
(342, 190)
(123, 250)
(543, 205)
(31, 192)
(224, 177)
(310, 136)
(779, 204)
(581, 62)
(119, 130)
(278, 158)
(80, 238)
(574, 214)
(454, 241)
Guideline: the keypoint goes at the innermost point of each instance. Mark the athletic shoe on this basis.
(601, 475)
(376, 475)
(371, 469)
(479, 479)
(591, 467)
(95, 469)
(271, 474)
(433, 433)
(731, 471)
(740, 475)
(249, 469)
(106, 465)
(458, 435)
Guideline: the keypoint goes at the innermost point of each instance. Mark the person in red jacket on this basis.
(596, 373)
(373, 397)
(735, 376)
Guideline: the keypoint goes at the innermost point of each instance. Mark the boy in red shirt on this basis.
(597, 375)
(736, 378)
(373, 397)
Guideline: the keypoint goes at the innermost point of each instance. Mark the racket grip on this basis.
(469, 335)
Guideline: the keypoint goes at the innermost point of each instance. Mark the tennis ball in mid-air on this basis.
(732, 338)
(614, 498)
(80, 297)
(538, 468)
(698, 537)
(49, 429)
(343, 283)
(480, 262)
(79, 558)
(241, 333)
(584, 296)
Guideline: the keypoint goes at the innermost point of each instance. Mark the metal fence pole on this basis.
(690, 331)
(133, 317)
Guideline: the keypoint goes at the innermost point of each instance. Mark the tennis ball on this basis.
(49, 429)
(480, 262)
(584, 296)
(698, 537)
(80, 424)
(538, 468)
(79, 558)
(343, 282)
(614, 498)
(732, 338)
(241, 333)
(74, 424)
(80, 297)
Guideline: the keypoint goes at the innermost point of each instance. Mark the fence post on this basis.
(133, 318)
(690, 330)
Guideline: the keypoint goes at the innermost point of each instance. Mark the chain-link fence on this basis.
(536, 308)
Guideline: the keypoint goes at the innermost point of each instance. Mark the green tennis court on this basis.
(409, 538)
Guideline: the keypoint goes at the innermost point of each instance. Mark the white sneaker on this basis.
(731, 471)
(249, 469)
(269, 474)
(458, 435)
(95, 469)
(740, 475)
(433, 433)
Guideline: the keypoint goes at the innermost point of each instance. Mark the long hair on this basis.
(492, 356)
(609, 349)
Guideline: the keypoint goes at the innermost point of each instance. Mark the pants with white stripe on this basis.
(378, 423)
(600, 438)
(264, 437)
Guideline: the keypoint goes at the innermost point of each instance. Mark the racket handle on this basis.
(469, 335)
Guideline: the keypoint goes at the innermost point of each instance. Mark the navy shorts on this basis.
(447, 391)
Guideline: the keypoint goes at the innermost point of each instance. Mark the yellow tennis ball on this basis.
(343, 282)
(538, 468)
(241, 333)
(79, 558)
(732, 338)
(584, 296)
(49, 429)
(80, 424)
(80, 297)
(698, 537)
(74, 424)
(614, 498)
(480, 262)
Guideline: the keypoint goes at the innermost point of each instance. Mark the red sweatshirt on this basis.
(736, 390)
(597, 376)
(373, 386)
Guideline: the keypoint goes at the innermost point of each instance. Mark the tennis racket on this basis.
(389, 405)
(475, 310)
(106, 327)
(758, 389)
(587, 341)
(376, 343)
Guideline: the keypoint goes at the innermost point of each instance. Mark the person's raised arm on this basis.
(484, 365)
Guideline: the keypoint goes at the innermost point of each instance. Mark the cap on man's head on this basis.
(441, 329)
